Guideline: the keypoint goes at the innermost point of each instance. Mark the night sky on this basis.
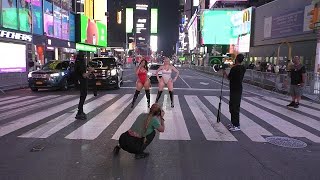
(168, 26)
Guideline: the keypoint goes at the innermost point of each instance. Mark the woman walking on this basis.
(166, 79)
(142, 82)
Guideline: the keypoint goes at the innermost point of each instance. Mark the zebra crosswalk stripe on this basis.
(176, 128)
(55, 125)
(280, 124)
(7, 98)
(15, 100)
(30, 119)
(93, 128)
(254, 131)
(207, 121)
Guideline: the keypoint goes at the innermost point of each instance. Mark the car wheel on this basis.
(64, 85)
(34, 89)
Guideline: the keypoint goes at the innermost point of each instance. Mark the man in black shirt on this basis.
(298, 77)
(235, 76)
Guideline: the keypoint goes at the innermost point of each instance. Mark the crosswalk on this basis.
(260, 117)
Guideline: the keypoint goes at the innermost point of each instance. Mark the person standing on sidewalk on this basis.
(298, 78)
(235, 76)
(82, 74)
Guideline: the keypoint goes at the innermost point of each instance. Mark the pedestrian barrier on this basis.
(278, 82)
(12, 81)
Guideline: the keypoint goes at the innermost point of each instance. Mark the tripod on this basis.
(219, 109)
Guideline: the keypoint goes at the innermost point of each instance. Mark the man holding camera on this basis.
(235, 76)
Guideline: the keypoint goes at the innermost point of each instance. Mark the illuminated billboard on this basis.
(154, 21)
(193, 34)
(92, 32)
(216, 27)
(154, 43)
(129, 20)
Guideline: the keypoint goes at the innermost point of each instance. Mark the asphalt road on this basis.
(40, 139)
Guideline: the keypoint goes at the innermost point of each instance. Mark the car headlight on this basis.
(104, 72)
(30, 75)
(113, 72)
(55, 75)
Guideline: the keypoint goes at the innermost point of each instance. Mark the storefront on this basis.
(16, 53)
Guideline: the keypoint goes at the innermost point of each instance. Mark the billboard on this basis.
(48, 18)
(241, 30)
(193, 34)
(37, 17)
(129, 20)
(72, 31)
(9, 14)
(57, 22)
(25, 15)
(154, 21)
(216, 27)
(17, 55)
(92, 32)
(65, 24)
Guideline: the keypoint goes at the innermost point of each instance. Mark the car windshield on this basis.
(55, 65)
(154, 66)
(102, 62)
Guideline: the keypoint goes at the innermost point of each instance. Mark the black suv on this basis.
(53, 75)
(108, 72)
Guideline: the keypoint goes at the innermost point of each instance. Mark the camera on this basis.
(218, 67)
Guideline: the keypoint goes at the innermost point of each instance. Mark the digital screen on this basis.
(48, 19)
(9, 14)
(13, 57)
(37, 17)
(154, 20)
(129, 20)
(192, 34)
(65, 4)
(25, 15)
(217, 27)
(72, 35)
(93, 32)
(57, 2)
(57, 22)
(65, 24)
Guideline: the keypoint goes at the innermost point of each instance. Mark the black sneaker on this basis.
(148, 104)
(292, 104)
(116, 150)
(81, 116)
(296, 105)
(141, 155)
(172, 105)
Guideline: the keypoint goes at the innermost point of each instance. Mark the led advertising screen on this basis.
(129, 20)
(154, 21)
(57, 22)
(92, 32)
(72, 35)
(192, 34)
(37, 17)
(48, 18)
(13, 57)
(9, 14)
(217, 27)
(25, 15)
(65, 24)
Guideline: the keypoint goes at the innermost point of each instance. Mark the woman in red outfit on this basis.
(142, 82)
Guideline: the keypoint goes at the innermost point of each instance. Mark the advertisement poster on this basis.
(72, 35)
(65, 24)
(92, 32)
(17, 55)
(37, 17)
(25, 15)
(57, 22)
(48, 19)
(9, 14)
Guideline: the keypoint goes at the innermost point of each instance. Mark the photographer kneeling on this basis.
(142, 132)
(235, 76)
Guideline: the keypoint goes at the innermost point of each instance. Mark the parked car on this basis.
(55, 74)
(108, 72)
(152, 72)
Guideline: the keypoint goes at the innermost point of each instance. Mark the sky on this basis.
(168, 26)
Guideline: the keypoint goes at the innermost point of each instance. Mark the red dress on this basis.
(142, 74)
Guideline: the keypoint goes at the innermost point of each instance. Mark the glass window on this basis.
(10, 14)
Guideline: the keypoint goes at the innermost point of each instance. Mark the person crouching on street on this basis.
(142, 132)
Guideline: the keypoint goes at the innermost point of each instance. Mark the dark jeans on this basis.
(234, 107)
(83, 94)
(134, 145)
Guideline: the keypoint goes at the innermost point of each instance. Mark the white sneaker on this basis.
(233, 129)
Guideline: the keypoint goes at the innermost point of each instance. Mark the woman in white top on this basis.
(166, 79)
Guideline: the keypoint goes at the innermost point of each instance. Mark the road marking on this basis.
(280, 124)
(305, 102)
(176, 128)
(207, 121)
(185, 89)
(254, 131)
(30, 119)
(7, 98)
(184, 81)
(203, 83)
(93, 128)
(127, 123)
(16, 100)
(127, 81)
(315, 124)
(24, 103)
(25, 109)
(55, 125)
(128, 75)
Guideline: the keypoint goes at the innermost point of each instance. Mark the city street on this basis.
(40, 138)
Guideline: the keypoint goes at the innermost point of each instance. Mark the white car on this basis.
(152, 72)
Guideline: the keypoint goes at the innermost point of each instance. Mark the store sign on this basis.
(14, 35)
(92, 32)
(83, 47)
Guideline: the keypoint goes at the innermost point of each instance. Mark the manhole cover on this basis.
(286, 142)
